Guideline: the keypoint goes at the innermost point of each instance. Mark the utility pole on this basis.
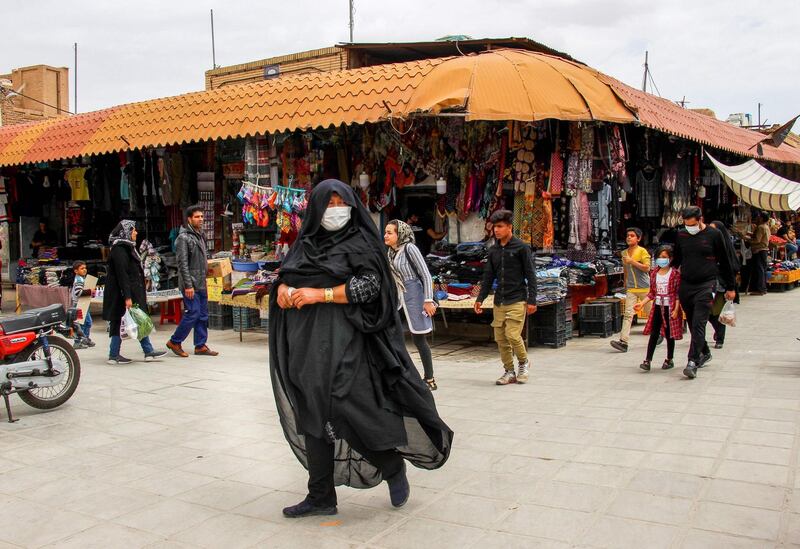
(352, 19)
(759, 115)
(646, 70)
(213, 47)
(75, 81)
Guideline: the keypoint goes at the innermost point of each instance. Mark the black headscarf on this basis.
(342, 371)
(729, 249)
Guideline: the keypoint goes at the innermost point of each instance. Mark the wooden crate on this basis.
(785, 277)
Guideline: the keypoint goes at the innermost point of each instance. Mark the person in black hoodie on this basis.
(511, 264)
(702, 256)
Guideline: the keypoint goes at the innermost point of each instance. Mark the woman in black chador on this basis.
(351, 403)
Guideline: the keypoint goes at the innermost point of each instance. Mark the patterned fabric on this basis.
(647, 193)
(618, 156)
(410, 265)
(363, 288)
(556, 184)
(585, 221)
(669, 179)
(123, 233)
(675, 324)
(586, 159)
(574, 222)
(573, 178)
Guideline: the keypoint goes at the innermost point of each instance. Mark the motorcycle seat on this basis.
(33, 319)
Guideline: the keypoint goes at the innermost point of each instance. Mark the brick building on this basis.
(44, 94)
(353, 56)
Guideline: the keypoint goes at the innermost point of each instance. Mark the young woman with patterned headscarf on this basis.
(124, 289)
(415, 289)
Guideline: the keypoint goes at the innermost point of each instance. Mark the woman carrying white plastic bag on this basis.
(124, 288)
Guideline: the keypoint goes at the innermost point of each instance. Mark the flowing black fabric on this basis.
(729, 249)
(342, 371)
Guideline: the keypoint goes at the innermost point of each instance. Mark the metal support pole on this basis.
(75, 78)
(213, 46)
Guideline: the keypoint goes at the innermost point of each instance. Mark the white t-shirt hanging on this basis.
(662, 288)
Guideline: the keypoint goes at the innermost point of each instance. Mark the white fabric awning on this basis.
(759, 187)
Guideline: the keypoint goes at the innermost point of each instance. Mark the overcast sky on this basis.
(726, 55)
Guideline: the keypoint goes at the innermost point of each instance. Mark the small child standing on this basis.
(665, 317)
(82, 340)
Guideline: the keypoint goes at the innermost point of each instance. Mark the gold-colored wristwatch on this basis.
(328, 295)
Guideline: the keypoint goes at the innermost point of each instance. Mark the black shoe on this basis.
(155, 355)
(691, 370)
(399, 490)
(645, 365)
(620, 346)
(306, 509)
(668, 364)
(117, 360)
(704, 359)
(718, 345)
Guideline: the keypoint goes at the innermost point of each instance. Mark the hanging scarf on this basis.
(405, 235)
(123, 233)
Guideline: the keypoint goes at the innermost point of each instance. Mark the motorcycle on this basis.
(39, 366)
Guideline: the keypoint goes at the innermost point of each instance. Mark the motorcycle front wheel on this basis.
(45, 398)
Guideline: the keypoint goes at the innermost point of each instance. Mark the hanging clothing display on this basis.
(648, 194)
(76, 177)
(573, 176)
(586, 159)
(556, 184)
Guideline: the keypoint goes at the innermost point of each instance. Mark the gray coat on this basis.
(190, 247)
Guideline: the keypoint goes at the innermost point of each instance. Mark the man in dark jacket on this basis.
(511, 264)
(702, 257)
(190, 247)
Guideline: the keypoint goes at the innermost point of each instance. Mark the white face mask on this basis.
(335, 217)
(693, 229)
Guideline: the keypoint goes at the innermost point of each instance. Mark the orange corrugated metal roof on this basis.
(292, 102)
(509, 84)
(668, 117)
(364, 95)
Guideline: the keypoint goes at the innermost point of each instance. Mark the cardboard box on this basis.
(221, 283)
(218, 268)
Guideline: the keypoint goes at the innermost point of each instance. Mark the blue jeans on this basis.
(195, 317)
(116, 345)
(87, 324)
(82, 330)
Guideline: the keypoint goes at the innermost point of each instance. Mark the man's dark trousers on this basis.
(195, 317)
(696, 301)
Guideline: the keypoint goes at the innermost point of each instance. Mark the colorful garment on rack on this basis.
(76, 177)
(618, 155)
(585, 221)
(556, 184)
(648, 194)
(586, 158)
(572, 178)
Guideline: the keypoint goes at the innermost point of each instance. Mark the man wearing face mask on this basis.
(701, 255)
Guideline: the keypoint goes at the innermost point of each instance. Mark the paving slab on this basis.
(592, 452)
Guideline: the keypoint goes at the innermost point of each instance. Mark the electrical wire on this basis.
(9, 95)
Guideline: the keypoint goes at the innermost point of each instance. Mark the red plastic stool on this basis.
(172, 311)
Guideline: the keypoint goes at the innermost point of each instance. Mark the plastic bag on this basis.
(144, 323)
(728, 314)
(128, 327)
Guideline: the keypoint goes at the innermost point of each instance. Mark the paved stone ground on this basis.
(591, 453)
